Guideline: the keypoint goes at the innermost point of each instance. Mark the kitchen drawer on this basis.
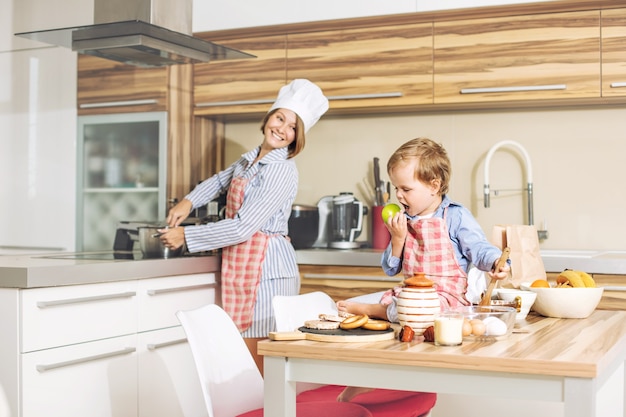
(168, 380)
(59, 316)
(95, 379)
(161, 298)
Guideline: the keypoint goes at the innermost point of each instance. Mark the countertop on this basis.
(46, 270)
(593, 262)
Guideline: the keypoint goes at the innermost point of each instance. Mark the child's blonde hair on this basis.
(432, 161)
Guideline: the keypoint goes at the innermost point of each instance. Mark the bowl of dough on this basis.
(487, 322)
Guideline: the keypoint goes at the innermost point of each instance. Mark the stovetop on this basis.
(114, 256)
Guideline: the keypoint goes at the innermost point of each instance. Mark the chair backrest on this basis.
(230, 380)
(291, 311)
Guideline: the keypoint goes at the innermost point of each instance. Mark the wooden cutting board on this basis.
(336, 335)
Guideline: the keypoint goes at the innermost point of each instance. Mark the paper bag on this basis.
(526, 262)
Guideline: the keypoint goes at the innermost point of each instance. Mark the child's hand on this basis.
(397, 226)
(502, 273)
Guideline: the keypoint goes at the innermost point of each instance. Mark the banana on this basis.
(587, 280)
(575, 279)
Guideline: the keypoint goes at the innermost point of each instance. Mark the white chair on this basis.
(292, 311)
(231, 383)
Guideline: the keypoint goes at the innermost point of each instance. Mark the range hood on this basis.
(144, 33)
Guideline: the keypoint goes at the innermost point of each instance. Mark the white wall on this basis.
(208, 16)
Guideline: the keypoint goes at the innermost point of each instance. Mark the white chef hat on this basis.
(303, 98)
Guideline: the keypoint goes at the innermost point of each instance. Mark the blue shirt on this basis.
(266, 206)
(468, 240)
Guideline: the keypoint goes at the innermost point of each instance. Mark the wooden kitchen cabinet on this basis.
(105, 87)
(342, 282)
(614, 53)
(526, 57)
(241, 86)
(104, 350)
(366, 67)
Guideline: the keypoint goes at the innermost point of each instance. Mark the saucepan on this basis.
(151, 245)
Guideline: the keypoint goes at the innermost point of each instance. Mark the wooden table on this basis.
(577, 362)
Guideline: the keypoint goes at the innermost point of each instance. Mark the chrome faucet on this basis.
(543, 234)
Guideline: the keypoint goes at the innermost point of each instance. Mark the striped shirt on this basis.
(268, 198)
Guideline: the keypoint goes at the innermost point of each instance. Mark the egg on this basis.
(494, 326)
(467, 327)
(478, 327)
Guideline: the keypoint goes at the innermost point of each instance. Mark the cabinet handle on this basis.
(177, 289)
(117, 103)
(346, 97)
(155, 346)
(54, 303)
(48, 367)
(351, 277)
(617, 85)
(513, 89)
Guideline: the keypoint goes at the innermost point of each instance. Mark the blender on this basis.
(346, 218)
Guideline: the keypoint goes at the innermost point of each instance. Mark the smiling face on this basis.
(417, 197)
(280, 129)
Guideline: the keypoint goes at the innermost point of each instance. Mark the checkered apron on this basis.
(241, 265)
(428, 249)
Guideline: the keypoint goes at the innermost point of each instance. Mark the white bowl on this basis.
(567, 303)
(510, 294)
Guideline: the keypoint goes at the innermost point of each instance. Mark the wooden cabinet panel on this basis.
(366, 67)
(342, 282)
(530, 55)
(106, 86)
(244, 85)
(614, 52)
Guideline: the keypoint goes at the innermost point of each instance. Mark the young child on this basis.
(432, 234)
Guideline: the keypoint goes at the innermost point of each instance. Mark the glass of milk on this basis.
(448, 328)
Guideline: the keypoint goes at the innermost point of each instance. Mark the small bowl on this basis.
(567, 303)
(510, 294)
(503, 317)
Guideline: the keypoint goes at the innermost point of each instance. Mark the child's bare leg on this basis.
(350, 392)
(375, 311)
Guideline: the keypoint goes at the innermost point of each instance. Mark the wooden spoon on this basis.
(486, 300)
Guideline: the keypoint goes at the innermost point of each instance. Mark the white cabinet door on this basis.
(168, 382)
(59, 316)
(95, 379)
(161, 298)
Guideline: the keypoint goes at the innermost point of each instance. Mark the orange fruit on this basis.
(540, 283)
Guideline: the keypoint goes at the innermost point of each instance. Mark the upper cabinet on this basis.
(366, 67)
(614, 53)
(528, 57)
(243, 85)
(106, 86)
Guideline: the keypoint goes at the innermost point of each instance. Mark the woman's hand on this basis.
(173, 238)
(178, 213)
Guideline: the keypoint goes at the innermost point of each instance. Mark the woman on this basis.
(258, 260)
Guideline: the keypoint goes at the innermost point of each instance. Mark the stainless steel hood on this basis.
(144, 33)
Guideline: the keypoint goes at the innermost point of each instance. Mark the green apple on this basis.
(389, 211)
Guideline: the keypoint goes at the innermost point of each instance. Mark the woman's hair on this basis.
(297, 145)
(432, 161)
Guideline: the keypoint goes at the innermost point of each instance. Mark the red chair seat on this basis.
(321, 408)
(380, 402)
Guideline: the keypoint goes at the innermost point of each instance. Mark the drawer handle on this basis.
(155, 346)
(125, 351)
(54, 303)
(177, 289)
(513, 89)
(117, 103)
(617, 85)
(352, 277)
(346, 97)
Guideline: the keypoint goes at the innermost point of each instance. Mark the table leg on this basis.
(280, 393)
(579, 396)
